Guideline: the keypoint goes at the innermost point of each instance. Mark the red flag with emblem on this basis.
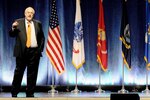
(101, 42)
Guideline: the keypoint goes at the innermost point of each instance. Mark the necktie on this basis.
(28, 43)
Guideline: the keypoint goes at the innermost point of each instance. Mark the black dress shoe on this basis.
(14, 95)
(29, 95)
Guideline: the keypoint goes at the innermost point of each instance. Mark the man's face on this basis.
(29, 14)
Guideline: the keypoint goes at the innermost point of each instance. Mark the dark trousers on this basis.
(30, 59)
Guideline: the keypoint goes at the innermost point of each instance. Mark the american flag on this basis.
(54, 43)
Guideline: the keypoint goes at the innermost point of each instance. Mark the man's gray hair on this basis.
(28, 9)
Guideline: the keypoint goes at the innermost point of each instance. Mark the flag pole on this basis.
(146, 90)
(99, 90)
(1, 90)
(76, 90)
(52, 91)
(123, 89)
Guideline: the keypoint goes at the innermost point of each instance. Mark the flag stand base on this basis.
(99, 90)
(147, 91)
(123, 91)
(52, 91)
(76, 90)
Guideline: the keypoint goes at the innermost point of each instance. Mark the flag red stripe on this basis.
(51, 57)
(59, 33)
(56, 34)
(53, 40)
(59, 61)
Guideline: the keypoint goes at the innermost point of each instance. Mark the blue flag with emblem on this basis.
(147, 35)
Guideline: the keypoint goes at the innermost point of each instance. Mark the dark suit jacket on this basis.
(20, 33)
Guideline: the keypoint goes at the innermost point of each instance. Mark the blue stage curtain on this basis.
(89, 73)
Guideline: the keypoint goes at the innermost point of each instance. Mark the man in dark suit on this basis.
(29, 45)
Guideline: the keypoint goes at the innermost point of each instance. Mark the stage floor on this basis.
(67, 96)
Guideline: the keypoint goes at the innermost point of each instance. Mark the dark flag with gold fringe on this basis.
(125, 36)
